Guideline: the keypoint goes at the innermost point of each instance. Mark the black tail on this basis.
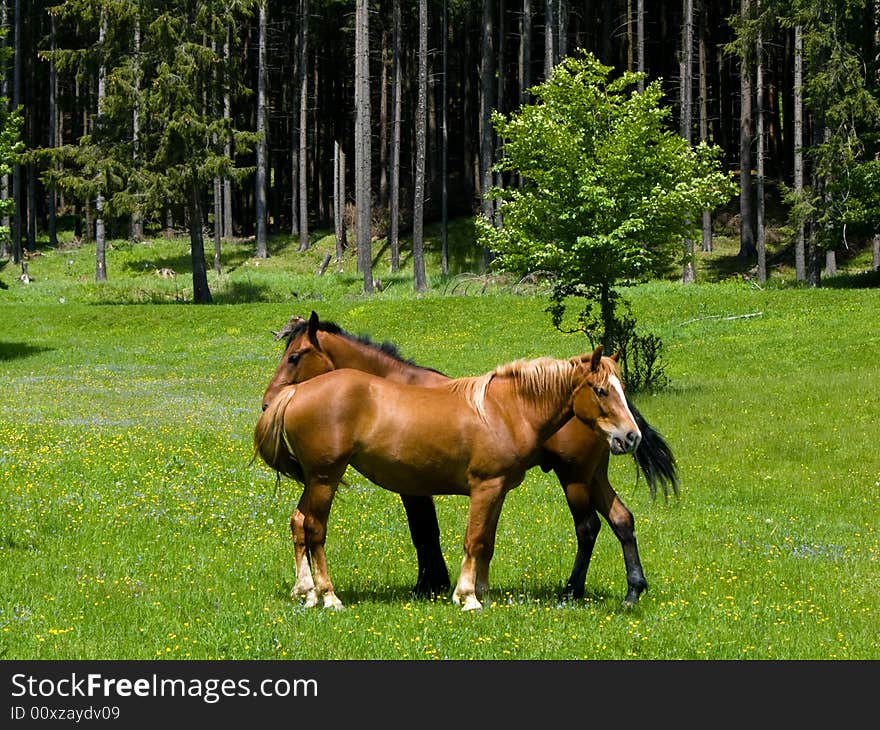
(654, 457)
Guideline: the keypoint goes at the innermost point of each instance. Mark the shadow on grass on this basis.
(863, 280)
(398, 595)
(18, 350)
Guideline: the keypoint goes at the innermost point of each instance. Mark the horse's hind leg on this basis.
(433, 577)
(316, 503)
(586, 528)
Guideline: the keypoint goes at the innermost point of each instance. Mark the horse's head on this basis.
(598, 401)
(303, 357)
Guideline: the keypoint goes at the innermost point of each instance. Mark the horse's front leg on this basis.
(316, 504)
(479, 544)
(433, 576)
(622, 523)
(304, 587)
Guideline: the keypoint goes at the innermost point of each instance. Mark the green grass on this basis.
(133, 524)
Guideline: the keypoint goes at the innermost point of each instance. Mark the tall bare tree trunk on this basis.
(137, 218)
(4, 92)
(561, 46)
(339, 200)
(688, 274)
(706, 244)
(549, 42)
(800, 259)
(100, 239)
(227, 146)
(444, 146)
(17, 66)
(52, 197)
(759, 181)
(487, 103)
(420, 282)
(383, 121)
(303, 128)
(394, 154)
(640, 41)
(262, 146)
(201, 292)
(746, 230)
(362, 149)
(630, 37)
(525, 51)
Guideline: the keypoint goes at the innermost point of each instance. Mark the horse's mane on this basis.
(533, 380)
(297, 326)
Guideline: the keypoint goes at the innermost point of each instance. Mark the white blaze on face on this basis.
(616, 386)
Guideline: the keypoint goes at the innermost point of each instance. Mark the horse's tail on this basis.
(270, 438)
(654, 457)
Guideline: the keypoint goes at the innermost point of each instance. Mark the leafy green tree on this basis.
(845, 114)
(172, 83)
(10, 144)
(610, 193)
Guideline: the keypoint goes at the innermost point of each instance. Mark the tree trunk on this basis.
(640, 41)
(549, 44)
(706, 244)
(875, 252)
(100, 239)
(137, 219)
(759, 182)
(630, 37)
(487, 102)
(525, 51)
(201, 292)
(227, 147)
(303, 126)
(561, 46)
(444, 147)
(394, 162)
(52, 197)
(800, 263)
(420, 282)
(746, 232)
(688, 274)
(18, 64)
(383, 122)
(262, 146)
(339, 200)
(363, 154)
(218, 218)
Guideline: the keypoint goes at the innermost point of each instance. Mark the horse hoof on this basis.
(472, 604)
(311, 599)
(332, 602)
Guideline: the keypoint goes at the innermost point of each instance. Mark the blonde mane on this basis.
(533, 380)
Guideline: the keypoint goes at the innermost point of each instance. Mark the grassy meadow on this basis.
(133, 524)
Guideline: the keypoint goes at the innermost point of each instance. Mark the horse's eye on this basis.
(601, 392)
(294, 358)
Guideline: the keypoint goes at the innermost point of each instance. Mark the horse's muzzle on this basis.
(625, 444)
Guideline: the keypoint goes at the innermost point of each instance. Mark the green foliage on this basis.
(10, 137)
(845, 110)
(609, 192)
(175, 84)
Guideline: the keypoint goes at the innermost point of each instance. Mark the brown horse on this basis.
(471, 436)
(574, 453)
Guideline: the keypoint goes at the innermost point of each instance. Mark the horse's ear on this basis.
(313, 330)
(594, 360)
(616, 355)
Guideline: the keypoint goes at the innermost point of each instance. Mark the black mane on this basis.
(291, 331)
